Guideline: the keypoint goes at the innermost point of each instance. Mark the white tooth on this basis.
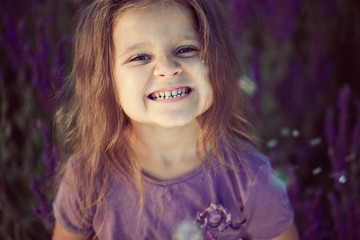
(183, 90)
(162, 94)
(168, 93)
(182, 94)
(174, 92)
(166, 97)
(179, 91)
(175, 96)
(157, 94)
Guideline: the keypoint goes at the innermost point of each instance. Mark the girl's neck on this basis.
(165, 153)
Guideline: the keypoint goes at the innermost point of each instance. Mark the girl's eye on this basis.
(140, 57)
(187, 51)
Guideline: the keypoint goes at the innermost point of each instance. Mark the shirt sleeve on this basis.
(267, 207)
(68, 211)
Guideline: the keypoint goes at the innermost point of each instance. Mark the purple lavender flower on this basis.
(60, 61)
(43, 211)
(281, 18)
(214, 217)
(356, 137)
(343, 105)
(336, 214)
(242, 15)
(51, 153)
(329, 127)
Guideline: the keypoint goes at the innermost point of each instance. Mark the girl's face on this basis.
(160, 78)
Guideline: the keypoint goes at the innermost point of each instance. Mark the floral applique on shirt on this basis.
(213, 220)
(215, 217)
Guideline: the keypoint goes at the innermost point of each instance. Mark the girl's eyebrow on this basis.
(143, 45)
(188, 36)
(130, 48)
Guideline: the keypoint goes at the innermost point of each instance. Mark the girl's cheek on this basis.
(195, 65)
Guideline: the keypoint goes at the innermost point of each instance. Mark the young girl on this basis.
(156, 131)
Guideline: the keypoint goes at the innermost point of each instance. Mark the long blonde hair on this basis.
(91, 125)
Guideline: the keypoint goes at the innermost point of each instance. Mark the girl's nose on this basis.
(166, 67)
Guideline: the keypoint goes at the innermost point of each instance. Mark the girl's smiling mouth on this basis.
(168, 94)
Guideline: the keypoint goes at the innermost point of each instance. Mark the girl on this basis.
(156, 132)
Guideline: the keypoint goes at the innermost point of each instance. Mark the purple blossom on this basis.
(329, 127)
(336, 214)
(51, 154)
(322, 65)
(343, 106)
(352, 217)
(242, 15)
(356, 131)
(331, 138)
(35, 188)
(10, 41)
(43, 211)
(277, 18)
(356, 137)
(60, 62)
(281, 17)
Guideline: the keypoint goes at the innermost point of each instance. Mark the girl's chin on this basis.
(168, 123)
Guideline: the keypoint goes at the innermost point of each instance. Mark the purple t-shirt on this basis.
(205, 204)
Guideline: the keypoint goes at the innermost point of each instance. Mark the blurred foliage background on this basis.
(300, 61)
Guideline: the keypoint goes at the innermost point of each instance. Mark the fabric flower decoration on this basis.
(214, 217)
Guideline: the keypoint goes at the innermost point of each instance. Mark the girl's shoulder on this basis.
(246, 158)
(264, 195)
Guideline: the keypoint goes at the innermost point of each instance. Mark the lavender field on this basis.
(301, 68)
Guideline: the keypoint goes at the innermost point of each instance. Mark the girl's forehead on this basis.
(131, 18)
(172, 21)
(146, 8)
